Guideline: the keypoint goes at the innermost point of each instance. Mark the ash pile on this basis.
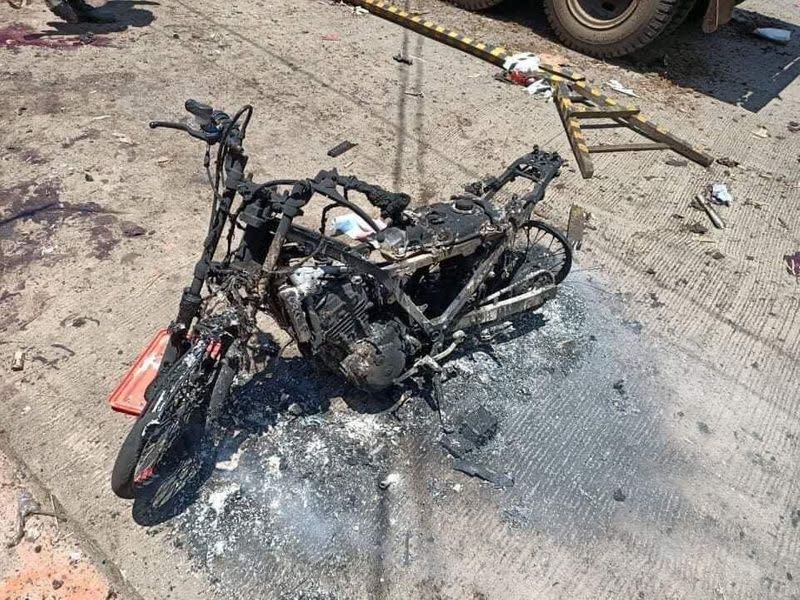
(316, 489)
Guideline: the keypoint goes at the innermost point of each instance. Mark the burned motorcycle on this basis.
(376, 310)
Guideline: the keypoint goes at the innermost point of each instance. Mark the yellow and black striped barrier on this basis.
(565, 84)
(495, 55)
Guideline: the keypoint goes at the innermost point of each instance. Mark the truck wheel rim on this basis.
(602, 14)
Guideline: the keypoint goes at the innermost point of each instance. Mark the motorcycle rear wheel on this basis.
(541, 246)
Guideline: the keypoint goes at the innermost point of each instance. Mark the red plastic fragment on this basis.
(128, 396)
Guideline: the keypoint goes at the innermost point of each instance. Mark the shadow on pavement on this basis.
(126, 12)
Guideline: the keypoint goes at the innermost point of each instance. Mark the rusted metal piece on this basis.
(718, 13)
(709, 210)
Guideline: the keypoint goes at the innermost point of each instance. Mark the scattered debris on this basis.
(232, 463)
(793, 126)
(473, 470)
(715, 254)
(541, 89)
(219, 498)
(654, 301)
(617, 86)
(701, 204)
(18, 363)
(475, 430)
(478, 426)
(793, 263)
(389, 481)
(576, 226)
(330, 37)
(27, 506)
(676, 162)
(163, 160)
(341, 148)
(415, 94)
(773, 34)
(131, 229)
(403, 59)
(718, 192)
(761, 132)
(359, 11)
(619, 495)
(124, 139)
(523, 62)
(698, 228)
(353, 226)
(728, 162)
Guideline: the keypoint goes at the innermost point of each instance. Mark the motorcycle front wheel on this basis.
(170, 444)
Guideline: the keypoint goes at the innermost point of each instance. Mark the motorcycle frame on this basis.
(279, 228)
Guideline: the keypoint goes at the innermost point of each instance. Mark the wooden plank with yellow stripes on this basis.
(572, 126)
(643, 126)
(495, 55)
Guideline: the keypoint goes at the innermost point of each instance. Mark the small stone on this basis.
(698, 228)
(130, 229)
(19, 361)
(88, 177)
(703, 428)
(715, 254)
(295, 409)
(619, 495)
(57, 583)
(727, 161)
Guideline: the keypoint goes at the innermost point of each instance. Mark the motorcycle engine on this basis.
(334, 320)
(439, 224)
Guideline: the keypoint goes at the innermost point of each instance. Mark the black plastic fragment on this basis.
(478, 426)
(340, 149)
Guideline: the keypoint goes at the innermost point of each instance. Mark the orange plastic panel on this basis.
(128, 396)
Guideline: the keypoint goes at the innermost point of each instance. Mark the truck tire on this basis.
(686, 8)
(608, 28)
(475, 4)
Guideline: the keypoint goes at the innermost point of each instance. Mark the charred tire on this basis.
(475, 4)
(608, 28)
(128, 457)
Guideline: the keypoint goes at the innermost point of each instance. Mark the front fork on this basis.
(191, 301)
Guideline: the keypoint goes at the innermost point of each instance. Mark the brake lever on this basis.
(195, 133)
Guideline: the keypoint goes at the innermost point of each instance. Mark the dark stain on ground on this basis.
(18, 35)
(37, 207)
(27, 155)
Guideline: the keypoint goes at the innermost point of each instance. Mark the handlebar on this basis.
(212, 122)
